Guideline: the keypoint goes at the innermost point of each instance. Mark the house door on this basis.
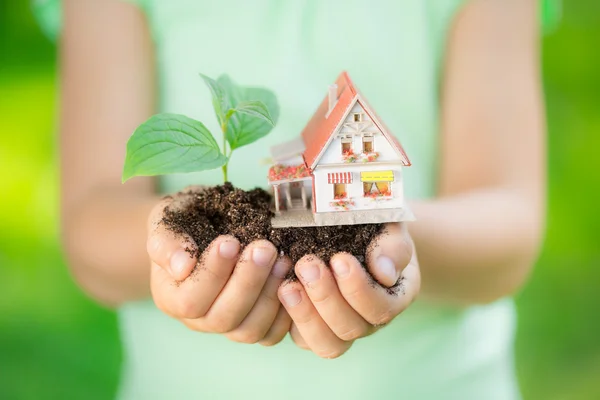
(295, 191)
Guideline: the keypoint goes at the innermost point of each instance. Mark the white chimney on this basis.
(332, 97)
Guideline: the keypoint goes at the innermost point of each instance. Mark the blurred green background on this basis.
(56, 344)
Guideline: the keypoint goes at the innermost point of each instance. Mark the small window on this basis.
(339, 191)
(377, 189)
(346, 144)
(367, 144)
(358, 117)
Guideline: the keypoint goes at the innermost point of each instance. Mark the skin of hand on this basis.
(332, 307)
(230, 290)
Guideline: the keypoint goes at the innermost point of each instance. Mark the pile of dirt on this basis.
(225, 210)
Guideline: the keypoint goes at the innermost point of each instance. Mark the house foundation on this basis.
(306, 218)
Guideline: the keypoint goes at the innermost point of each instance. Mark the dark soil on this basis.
(224, 210)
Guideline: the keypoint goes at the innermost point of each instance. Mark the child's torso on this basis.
(392, 50)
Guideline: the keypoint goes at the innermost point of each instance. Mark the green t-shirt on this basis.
(393, 51)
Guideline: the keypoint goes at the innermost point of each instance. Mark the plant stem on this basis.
(224, 130)
(224, 167)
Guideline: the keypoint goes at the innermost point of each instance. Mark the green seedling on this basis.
(173, 143)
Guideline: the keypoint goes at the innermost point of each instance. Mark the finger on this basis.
(196, 324)
(276, 329)
(191, 189)
(243, 288)
(260, 318)
(193, 297)
(322, 289)
(280, 327)
(156, 214)
(376, 304)
(174, 254)
(317, 335)
(389, 253)
(297, 337)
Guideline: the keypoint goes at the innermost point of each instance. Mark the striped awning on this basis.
(339, 177)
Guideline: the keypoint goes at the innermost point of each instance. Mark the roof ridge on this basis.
(349, 82)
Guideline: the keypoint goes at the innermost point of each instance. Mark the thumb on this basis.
(389, 253)
(173, 254)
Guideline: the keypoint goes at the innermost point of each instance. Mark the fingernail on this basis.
(229, 249)
(386, 267)
(340, 268)
(180, 262)
(292, 298)
(280, 269)
(310, 273)
(262, 256)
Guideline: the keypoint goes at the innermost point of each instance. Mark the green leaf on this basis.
(220, 99)
(244, 128)
(254, 108)
(171, 143)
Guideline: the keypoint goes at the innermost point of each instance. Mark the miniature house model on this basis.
(346, 168)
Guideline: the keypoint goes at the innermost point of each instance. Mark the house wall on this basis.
(333, 153)
(332, 161)
(324, 190)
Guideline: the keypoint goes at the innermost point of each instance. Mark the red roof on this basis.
(319, 129)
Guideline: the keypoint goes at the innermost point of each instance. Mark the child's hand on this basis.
(227, 293)
(331, 310)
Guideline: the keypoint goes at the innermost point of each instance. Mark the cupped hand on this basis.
(330, 310)
(229, 290)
